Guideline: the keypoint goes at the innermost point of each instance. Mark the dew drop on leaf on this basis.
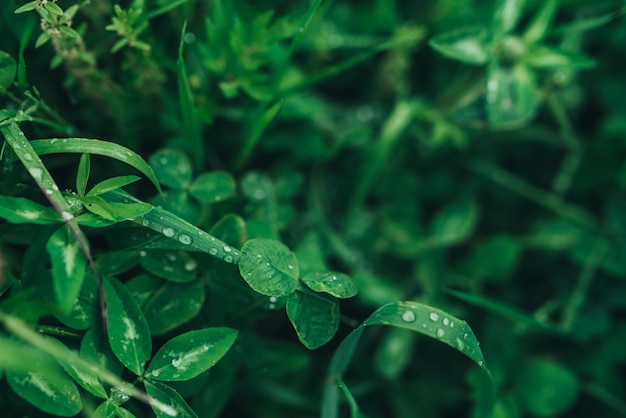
(440, 332)
(446, 321)
(227, 248)
(176, 362)
(434, 316)
(408, 316)
(213, 251)
(168, 232)
(184, 239)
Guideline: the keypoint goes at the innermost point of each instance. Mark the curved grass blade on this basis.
(97, 147)
(186, 236)
(424, 319)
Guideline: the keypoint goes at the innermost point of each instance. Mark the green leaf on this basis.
(83, 312)
(172, 305)
(18, 210)
(549, 58)
(455, 223)
(8, 69)
(180, 234)
(512, 98)
(52, 8)
(97, 147)
(31, 5)
(506, 15)
(112, 184)
(548, 389)
(128, 332)
(469, 45)
(315, 317)
(175, 266)
(269, 267)
(68, 266)
(539, 26)
(42, 39)
(82, 375)
(173, 168)
(394, 352)
(108, 409)
(213, 187)
(48, 388)
(187, 355)
(82, 175)
(337, 284)
(432, 322)
(172, 404)
(494, 258)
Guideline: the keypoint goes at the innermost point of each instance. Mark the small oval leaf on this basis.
(269, 267)
(173, 168)
(213, 187)
(187, 355)
(337, 284)
(315, 318)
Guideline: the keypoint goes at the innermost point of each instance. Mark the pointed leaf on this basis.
(187, 355)
(18, 210)
(68, 266)
(432, 322)
(337, 284)
(469, 45)
(213, 187)
(82, 175)
(539, 26)
(315, 318)
(128, 332)
(455, 223)
(549, 58)
(112, 184)
(269, 267)
(506, 15)
(171, 403)
(48, 388)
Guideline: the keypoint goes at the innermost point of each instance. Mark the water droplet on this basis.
(55, 187)
(228, 259)
(271, 306)
(28, 157)
(142, 253)
(290, 267)
(36, 172)
(460, 344)
(67, 216)
(176, 362)
(145, 222)
(213, 251)
(440, 332)
(451, 324)
(156, 372)
(184, 239)
(480, 363)
(52, 141)
(273, 299)
(446, 321)
(168, 232)
(408, 316)
(434, 316)
(191, 265)
(227, 248)
(49, 192)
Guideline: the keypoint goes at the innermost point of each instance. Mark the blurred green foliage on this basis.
(467, 155)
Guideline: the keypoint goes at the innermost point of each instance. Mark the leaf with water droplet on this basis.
(111, 184)
(169, 265)
(264, 265)
(337, 284)
(315, 317)
(187, 355)
(68, 267)
(172, 305)
(172, 167)
(127, 329)
(432, 322)
(215, 186)
(171, 403)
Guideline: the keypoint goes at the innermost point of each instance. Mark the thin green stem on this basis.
(573, 158)
(577, 298)
(546, 199)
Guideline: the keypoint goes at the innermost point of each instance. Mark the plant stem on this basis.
(573, 158)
